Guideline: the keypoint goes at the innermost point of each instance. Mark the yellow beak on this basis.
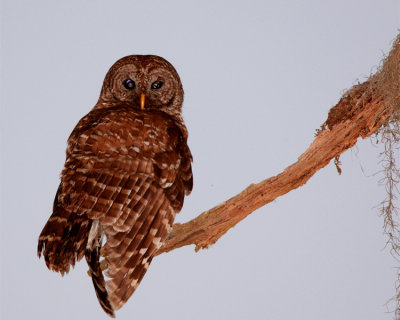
(142, 100)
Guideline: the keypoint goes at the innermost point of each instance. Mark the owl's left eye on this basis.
(156, 85)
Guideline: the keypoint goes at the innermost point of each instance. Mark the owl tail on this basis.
(63, 239)
(95, 271)
(92, 255)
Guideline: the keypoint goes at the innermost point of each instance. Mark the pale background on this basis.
(259, 78)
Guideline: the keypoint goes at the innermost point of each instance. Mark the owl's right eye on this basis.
(129, 84)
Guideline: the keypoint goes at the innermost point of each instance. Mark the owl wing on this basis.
(125, 176)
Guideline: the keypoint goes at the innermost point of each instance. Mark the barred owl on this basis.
(127, 170)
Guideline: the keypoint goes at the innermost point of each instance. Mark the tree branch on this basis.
(359, 113)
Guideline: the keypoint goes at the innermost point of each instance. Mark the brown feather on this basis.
(92, 258)
(125, 177)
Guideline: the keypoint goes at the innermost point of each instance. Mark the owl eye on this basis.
(156, 85)
(129, 84)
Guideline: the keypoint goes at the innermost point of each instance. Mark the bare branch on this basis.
(360, 113)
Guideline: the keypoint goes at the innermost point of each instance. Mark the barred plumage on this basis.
(127, 170)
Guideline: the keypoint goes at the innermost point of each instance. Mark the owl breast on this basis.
(130, 140)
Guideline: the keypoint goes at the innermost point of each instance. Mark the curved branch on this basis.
(359, 113)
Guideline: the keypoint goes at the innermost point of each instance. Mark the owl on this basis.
(127, 171)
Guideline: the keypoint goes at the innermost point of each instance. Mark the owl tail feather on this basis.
(63, 242)
(63, 239)
(95, 271)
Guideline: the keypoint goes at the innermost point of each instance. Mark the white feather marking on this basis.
(111, 148)
(134, 282)
(94, 233)
(157, 242)
(138, 120)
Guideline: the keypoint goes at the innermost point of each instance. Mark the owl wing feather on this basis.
(125, 177)
(63, 238)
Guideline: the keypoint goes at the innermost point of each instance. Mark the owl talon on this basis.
(103, 265)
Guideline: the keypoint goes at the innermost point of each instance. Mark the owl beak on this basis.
(142, 100)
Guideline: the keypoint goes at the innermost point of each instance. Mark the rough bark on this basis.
(359, 113)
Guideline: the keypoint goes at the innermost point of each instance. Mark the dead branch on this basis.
(359, 113)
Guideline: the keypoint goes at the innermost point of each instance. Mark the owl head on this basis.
(144, 82)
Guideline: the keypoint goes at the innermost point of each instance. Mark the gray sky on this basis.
(259, 78)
